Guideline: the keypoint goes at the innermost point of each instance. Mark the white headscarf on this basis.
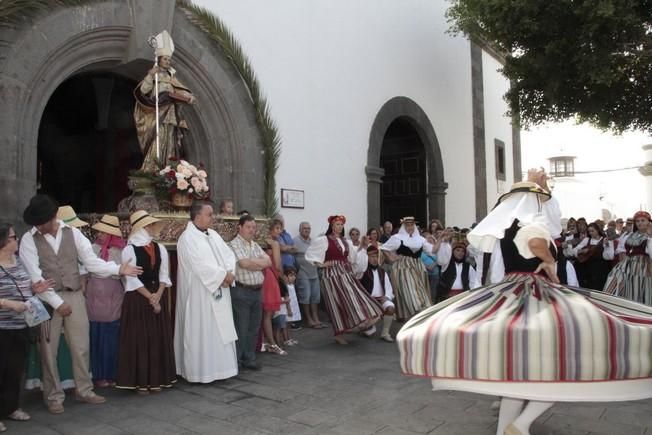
(140, 238)
(413, 241)
(524, 206)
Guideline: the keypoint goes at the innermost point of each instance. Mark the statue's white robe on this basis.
(204, 334)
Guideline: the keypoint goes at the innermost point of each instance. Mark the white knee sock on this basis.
(532, 410)
(387, 323)
(510, 409)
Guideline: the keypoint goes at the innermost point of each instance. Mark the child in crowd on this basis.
(289, 308)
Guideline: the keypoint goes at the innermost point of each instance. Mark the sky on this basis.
(622, 192)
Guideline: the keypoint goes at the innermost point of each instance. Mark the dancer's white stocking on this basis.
(510, 409)
(532, 410)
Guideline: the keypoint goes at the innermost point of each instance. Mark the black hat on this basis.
(40, 210)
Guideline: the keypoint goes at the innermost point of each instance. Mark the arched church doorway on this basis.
(87, 142)
(404, 189)
(405, 169)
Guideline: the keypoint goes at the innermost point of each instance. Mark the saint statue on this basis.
(172, 95)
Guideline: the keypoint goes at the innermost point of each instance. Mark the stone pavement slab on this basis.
(319, 388)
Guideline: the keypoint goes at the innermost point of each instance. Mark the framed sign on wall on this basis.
(291, 198)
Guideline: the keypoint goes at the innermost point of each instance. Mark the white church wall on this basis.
(327, 67)
(497, 126)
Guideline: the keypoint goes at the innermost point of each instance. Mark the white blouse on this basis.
(316, 252)
(132, 283)
(607, 252)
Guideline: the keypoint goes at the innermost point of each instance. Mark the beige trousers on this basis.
(76, 333)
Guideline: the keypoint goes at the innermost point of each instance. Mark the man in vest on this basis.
(458, 276)
(54, 250)
(377, 283)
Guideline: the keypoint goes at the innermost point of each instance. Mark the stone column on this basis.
(374, 186)
(646, 171)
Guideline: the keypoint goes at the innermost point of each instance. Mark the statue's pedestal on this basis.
(143, 196)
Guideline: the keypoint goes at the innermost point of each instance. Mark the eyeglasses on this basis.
(13, 236)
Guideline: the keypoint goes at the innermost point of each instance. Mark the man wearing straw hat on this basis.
(53, 249)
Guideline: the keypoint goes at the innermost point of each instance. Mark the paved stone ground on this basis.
(319, 388)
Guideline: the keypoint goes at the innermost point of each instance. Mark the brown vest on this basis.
(62, 267)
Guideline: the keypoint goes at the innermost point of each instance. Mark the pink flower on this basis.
(196, 183)
(182, 184)
(180, 168)
(202, 173)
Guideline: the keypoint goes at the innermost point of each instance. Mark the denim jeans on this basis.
(247, 315)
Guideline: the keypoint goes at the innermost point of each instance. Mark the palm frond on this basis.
(226, 41)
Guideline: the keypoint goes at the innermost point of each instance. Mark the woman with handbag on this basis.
(16, 290)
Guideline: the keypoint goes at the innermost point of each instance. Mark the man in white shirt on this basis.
(376, 281)
(55, 250)
(458, 275)
(204, 280)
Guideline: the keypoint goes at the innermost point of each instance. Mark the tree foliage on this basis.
(584, 59)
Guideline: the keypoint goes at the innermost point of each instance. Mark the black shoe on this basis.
(295, 326)
(251, 366)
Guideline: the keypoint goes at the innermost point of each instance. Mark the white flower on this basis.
(202, 173)
(179, 176)
(184, 163)
(190, 190)
(182, 184)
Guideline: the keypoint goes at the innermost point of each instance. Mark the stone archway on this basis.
(407, 110)
(112, 36)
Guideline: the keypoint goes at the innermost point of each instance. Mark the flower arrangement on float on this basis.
(184, 182)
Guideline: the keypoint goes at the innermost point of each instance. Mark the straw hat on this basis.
(69, 217)
(528, 187)
(140, 219)
(109, 224)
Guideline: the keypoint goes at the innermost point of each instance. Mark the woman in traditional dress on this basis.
(527, 338)
(348, 304)
(632, 277)
(408, 274)
(146, 353)
(104, 303)
(595, 252)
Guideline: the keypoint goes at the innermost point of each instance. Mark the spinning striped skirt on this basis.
(528, 338)
(347, 302)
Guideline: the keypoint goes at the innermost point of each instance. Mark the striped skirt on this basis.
(632, 279)
(526, 329)
(348, 304)
(411, 286)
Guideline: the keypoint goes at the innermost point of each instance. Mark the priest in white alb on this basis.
(204, 333)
